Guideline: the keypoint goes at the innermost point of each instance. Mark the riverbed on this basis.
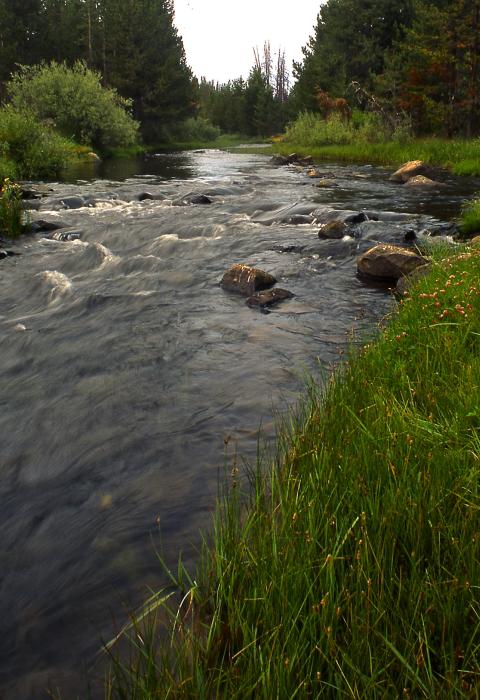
(130, 380)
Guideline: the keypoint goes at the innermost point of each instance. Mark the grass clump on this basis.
(366, 139)
(470, 219)
(353, 567)
(11, 212)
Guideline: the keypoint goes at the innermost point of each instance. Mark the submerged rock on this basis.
(242, 279)
(265, 299)
(7, 253)
(326, 182)
(388, 263)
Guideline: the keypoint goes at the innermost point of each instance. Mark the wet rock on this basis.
(289, 248)
(412, 169)
(73, 202)
(407, 281)
(447, 229)
(66, 235)
(7, 253)
(410, 235)
(143, 196)
(388, 263)
(346, 216)
(246, 280)
(422, 181)
(279, 160)
(31, 204)
(42, 226)
(37, 192)
(314, 173)
(265, 299)
(334, 230)
(297, 219)
(201, 199)
(305, 160)
(326, 182)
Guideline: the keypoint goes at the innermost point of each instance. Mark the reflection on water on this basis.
(164, 165)
(125, 367)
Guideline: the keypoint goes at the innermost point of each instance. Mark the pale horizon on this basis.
(219, 35)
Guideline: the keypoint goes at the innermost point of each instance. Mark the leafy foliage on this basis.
(74, 101)
(30, 148)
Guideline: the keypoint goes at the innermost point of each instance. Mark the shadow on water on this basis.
(162, 165)
(125, 369)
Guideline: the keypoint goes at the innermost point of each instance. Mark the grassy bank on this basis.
(353, 569)
(366, 139)
(460, 156)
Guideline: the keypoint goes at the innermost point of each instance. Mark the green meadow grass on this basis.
(350, 566)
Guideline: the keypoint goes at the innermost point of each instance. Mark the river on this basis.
(125, 370)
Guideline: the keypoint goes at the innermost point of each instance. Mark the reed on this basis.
(350, 565)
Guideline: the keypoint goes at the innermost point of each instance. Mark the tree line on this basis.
(415, 58)
(133, 44)
(419, 58)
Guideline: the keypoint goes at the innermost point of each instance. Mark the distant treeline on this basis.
(414, 59)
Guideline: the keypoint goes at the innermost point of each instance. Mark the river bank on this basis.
(461, 156)
(134, 372)
(349, 563)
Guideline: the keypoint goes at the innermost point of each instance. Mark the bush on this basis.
(311, 129)
(11, 213)
(199, 129)
(30, 149)
(74, 101)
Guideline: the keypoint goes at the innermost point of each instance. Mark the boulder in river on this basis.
(243, 279)
(334, 230)
(388, 263)
(325, 182)
(412, 169)
(263, 300)
(422, 181)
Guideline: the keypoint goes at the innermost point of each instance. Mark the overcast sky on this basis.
(219, 35)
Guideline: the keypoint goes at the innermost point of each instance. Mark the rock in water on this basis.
(246, 280)
(422, 181)
(264, 299)
(411, 169)
(388, 263)
(334, 230)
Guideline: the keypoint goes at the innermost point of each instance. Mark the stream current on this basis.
(125, 370)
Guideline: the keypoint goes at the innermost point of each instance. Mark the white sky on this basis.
(219, 35)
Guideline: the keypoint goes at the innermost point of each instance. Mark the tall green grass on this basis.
(11, 212)
(367, 140)
(350, 567)
(470, 219)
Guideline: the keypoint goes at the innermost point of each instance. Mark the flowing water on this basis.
(125, 369)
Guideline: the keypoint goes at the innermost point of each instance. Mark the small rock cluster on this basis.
(252, 283)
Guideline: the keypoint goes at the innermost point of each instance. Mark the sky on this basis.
(219, 35)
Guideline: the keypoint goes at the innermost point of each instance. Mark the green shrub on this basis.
(74, 101)
(199, 129)
(30, 149)
(11, 213)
